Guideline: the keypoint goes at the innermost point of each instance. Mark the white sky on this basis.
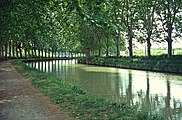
(175, 44)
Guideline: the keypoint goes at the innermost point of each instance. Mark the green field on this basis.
(156, 52)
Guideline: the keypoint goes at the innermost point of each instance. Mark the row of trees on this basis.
(94, 27)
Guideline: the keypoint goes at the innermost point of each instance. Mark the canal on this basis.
(158, 93)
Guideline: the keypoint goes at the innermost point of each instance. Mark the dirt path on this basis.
(19, 100)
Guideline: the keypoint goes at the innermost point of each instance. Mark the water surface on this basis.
(152, 91)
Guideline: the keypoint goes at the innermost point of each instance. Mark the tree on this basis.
(5, 8)
(146, 22)
(129, 21)
(118, 20)
(169, 11)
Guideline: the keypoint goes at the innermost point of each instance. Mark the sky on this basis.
(175, 44)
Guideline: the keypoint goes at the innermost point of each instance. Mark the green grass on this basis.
(76, 101)
(157, 52)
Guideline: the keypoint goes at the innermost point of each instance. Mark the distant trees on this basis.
(97, 27)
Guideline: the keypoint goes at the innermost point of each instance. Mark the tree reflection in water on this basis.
(129, 94)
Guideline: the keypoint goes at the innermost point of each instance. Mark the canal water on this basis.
(157, 93)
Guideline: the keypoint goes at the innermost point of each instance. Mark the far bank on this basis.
(155, 63)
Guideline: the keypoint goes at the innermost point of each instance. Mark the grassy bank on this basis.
(155, 63)
(80, 104)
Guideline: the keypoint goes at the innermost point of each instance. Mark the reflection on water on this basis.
(150, 91)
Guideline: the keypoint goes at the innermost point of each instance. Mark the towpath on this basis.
(19, 100)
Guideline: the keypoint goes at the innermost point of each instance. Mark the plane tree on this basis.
(146, 24)
(169, 12)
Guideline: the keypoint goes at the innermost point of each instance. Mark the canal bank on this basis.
(156, 63)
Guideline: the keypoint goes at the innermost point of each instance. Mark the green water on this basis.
(158, 93)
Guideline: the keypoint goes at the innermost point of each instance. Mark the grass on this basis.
(157, 52)
(77, 102)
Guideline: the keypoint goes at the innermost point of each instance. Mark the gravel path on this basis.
(19, 100)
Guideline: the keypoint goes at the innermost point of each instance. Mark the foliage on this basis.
(92, 27)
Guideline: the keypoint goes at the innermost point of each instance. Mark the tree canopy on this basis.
(97, 27)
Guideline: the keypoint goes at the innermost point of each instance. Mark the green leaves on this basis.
(62, 23)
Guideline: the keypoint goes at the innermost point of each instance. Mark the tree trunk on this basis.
(72, 53)
(21, 55)
(6, 50)
(130, 26)
(107, 44)
(49, 52)
(17, 50)
(39, 53)
(10, 48)
(28, 53)
(13, 49)
(150, 18)
(130, 41)
(88, 52)
(130, 48)
(148, 49)
(55, 53)
(52, 53)
(169, 39)
(149, 45)
(35, 52)
(169, 47)
(25, 50)
(99, 45)
(20, 50)
(62, 54)
(99, 36)
(42, 53)
(0, 51)
(118, 43)
(45, 53)
(32, 49)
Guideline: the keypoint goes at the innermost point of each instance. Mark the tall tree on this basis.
(130, 15)
(146, 22)
(169, 11)
(118, 21)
